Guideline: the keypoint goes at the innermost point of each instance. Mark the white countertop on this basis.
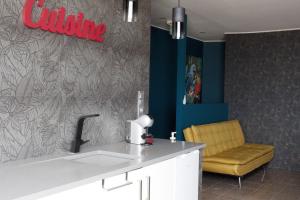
(34, 178)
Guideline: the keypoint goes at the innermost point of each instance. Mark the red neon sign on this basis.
(55, 21)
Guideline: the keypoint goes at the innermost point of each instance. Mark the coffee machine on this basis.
(138, 130)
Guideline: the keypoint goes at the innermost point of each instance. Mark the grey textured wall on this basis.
(262, 87)
(47, 80)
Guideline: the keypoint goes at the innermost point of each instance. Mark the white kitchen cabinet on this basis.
(160, 179)
(121, 188)
(173, 179)
(114, 188)
(157, 180)
(187, 176)
(87, 192)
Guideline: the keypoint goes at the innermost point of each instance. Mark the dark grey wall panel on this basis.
(262, 88)
(47, 80)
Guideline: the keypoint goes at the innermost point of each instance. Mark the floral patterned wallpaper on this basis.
(262, 88)
(48, 80)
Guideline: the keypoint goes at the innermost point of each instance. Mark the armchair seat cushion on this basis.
(240, 155)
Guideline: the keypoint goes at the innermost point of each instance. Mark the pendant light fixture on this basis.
(178, 25)
(130, 9)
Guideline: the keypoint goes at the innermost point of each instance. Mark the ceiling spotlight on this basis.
(130, 10)
(178, 26)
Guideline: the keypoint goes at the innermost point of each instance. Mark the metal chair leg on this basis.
(264, 173)
(240, 182)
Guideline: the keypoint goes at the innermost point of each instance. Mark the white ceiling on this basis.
(216, 17)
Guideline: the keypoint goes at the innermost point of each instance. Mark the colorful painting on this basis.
(193, 80)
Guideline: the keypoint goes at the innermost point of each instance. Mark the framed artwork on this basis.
(193, 80)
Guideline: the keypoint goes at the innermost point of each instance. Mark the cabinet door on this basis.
(88, 192)
(126, 192)
(121, 188)
(187, 176)
(113, 188)
(160, 181)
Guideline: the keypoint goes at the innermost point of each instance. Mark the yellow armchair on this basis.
(226, 151)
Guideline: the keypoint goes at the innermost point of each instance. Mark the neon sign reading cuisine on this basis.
(55, 21)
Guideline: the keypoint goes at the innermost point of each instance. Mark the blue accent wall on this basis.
(167, 84)
(162, 99)
(213, 79)
(194, 47)
(212, 108)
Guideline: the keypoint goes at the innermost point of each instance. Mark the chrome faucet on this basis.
(78, 141)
